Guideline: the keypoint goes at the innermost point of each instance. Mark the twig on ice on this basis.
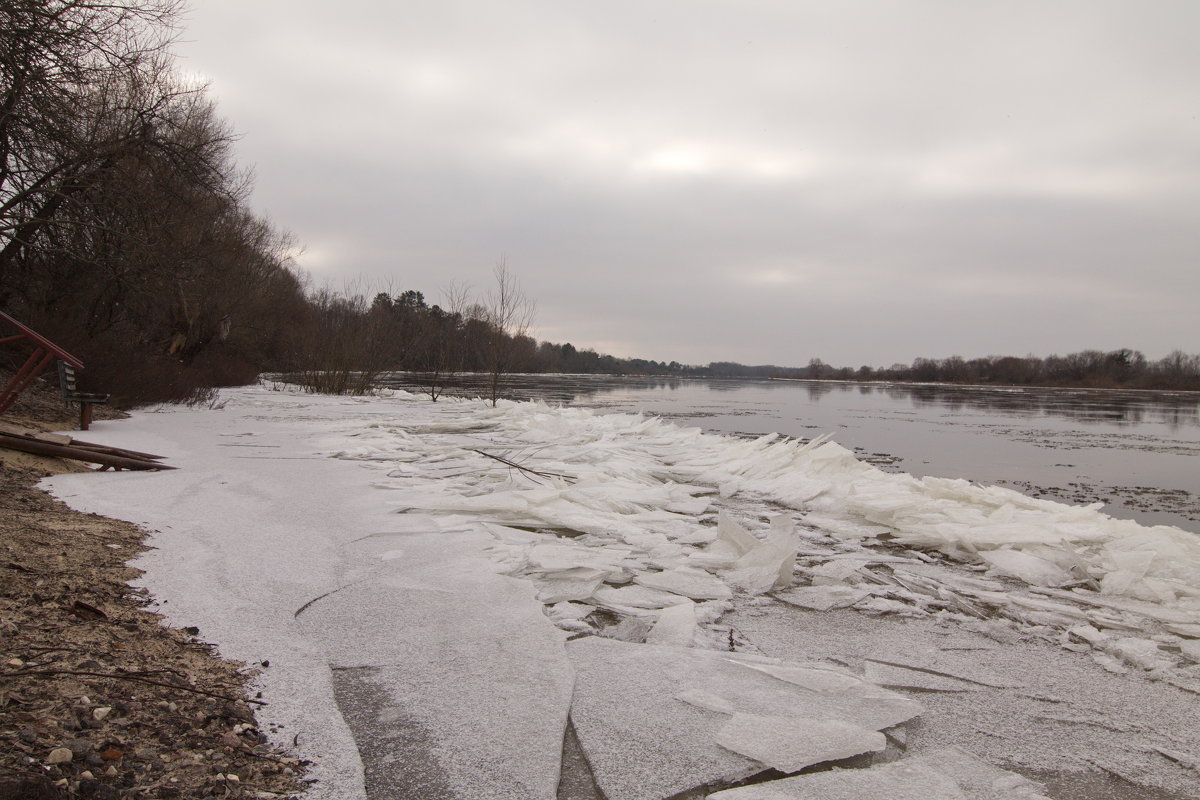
(525, 470)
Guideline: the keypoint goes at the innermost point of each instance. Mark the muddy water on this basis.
(1136, 452)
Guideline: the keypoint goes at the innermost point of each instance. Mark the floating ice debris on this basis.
(687, 581)
(822, 598)
(789, 744)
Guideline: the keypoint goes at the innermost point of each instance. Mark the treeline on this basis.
(1124, 368)
(124, 231)
(126, 237)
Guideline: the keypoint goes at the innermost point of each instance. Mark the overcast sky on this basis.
(764, 181)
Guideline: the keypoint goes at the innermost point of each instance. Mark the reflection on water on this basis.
(1136, 451)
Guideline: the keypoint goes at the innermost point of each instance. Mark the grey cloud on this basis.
(765, 182)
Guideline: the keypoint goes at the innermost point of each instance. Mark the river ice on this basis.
(438, 587)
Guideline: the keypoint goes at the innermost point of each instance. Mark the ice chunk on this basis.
(643, 743)
(732, 542)
(687, 581)
(572, 584)
(1029, 568)
(822, 598)
(834, 572)
(946, 774)
(1140, 653)
(768, 565)
(570, 610)
(901, 780)
(1191, 649)
(558, 557)
(676, 625)
(637, 597)
(789, 744)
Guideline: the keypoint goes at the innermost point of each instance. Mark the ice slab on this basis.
(636, 597)
(644, 743)
(468, 659)
(946, 774)
(768, 564)
(573, 584)
(822, 598)
(676, 625)
(687, 581)
(1029, 568)
(789, 744)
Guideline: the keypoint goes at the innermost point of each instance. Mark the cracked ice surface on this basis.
(947, 774)
(640, 494)
(375, 508)
(650, 718)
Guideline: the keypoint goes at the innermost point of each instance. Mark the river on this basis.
(1137, 452)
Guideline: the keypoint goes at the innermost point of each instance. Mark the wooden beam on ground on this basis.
(108, 457)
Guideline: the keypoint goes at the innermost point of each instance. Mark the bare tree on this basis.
(509, 313)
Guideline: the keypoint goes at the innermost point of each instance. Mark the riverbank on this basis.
(99, 698)
(387, 556)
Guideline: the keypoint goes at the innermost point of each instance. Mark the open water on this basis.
(1137, 452)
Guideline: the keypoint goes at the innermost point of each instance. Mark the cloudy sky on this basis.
(764, 181)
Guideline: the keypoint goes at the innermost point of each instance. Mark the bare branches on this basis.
(509, 313)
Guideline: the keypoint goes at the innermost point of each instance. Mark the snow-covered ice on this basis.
(415, 574)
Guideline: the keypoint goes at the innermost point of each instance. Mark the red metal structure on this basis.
(44, 353)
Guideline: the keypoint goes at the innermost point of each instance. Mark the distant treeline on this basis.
(1127, 369)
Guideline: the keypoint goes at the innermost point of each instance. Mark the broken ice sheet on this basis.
(636, 597)
(644, 744)
(687, 581)
(1029, 568)
(572, 584)
(946, 774)
(770, 563)
(822, 598)
(676, 625)
(789, 744)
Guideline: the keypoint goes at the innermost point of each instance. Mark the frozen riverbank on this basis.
(406, 545)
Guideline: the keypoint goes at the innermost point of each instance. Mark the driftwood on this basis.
(52, 444)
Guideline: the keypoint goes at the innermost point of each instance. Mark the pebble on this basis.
(111, 771)
(100, 713)
(79, 747)
(87, 775)
(29, 735)
(59, 755)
